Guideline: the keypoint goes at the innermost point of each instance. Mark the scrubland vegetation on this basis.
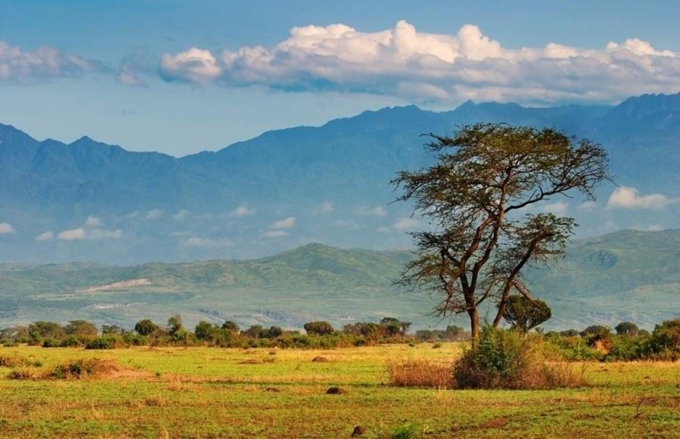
(583, 383)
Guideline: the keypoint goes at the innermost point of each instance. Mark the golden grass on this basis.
(409, 372)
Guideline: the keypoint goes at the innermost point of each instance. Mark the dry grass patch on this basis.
(419, 373)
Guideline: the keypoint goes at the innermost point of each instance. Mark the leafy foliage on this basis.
(485, 174)
(525, 314)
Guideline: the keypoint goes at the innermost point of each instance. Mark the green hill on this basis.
(627, 275)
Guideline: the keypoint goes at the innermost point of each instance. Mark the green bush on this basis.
(504, 359)
(105, 342)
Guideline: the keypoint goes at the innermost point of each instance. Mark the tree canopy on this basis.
(478, 196)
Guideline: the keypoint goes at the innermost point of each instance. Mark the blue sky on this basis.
(184, 76)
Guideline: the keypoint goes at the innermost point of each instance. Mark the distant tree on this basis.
(394, 326)
(473, 197)
(231, 326)
(525, 314)
(666, 336)
(454, 332)
(627, 328)
(81, 328)
(206, 331)
(319, 328)
(254, 331)
(113, 330)
(596, 333)
(273, 332)
(43, 330)
(175, 324)
(146, 327)
(570, 333)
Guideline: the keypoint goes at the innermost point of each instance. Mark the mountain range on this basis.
(88, 201)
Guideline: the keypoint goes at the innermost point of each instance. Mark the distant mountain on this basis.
(623, 276)
(88, 201)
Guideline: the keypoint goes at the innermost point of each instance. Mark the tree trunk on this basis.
(474, 324)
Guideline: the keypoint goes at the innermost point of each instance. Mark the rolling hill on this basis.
(623, 276)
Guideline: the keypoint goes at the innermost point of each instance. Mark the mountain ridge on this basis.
(226, 203)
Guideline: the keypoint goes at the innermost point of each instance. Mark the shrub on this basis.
(503, 359)
(419, 373)
(105, 342)
(665, 341)
(78, 369)
(406, 431)
(319, 328)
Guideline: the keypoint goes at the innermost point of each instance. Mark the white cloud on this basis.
(383, 229)
(405, 224)
(72, 235)
(93, 221)
(426, 67)
(153, 214)
(195, 241)
(193, 65)
(45, 236)
(6, 228)
(275, 234)
(325, 208)
(80, 234)
(242, 211)
(43, 64)
(285, 223)
(628, 198)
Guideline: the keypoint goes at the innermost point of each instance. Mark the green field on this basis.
(211, 392)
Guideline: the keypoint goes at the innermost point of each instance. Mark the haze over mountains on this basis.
(88, 201)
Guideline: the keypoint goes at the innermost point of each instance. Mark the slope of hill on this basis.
(627, 275)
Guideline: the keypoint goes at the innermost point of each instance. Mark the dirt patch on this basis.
(320, 359)
(495, 423)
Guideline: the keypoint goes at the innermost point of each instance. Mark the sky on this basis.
(181, 77)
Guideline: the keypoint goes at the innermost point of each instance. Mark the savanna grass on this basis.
(207, 393)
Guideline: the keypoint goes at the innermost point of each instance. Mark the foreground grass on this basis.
(209, 392)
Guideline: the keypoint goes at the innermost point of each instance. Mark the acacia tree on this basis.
(524, 313)
(475, 198)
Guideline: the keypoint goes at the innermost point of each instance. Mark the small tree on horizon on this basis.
(480, 234)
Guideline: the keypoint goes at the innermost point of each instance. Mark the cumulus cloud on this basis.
(285, 223)
(6, 228)
(242, 211)
(72, 235)
(195, 241)
(426, 67)
(194, 65)
(627, 198)
(275, 234)
(43, 64)
(45, 236)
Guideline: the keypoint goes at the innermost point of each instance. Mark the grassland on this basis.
(210, 392)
